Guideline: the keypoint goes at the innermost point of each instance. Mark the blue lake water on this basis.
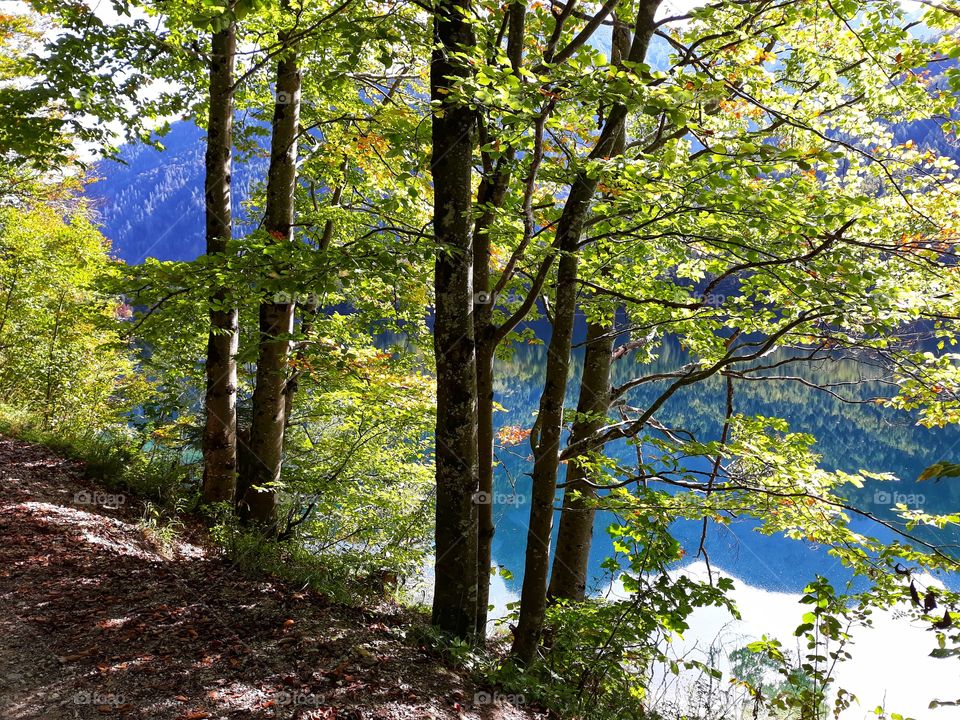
(849, 437)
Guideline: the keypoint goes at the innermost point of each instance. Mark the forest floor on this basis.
(98, 619)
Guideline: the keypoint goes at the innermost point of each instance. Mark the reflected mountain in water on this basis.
(850, 437)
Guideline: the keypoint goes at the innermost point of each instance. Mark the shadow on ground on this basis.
(96, 623)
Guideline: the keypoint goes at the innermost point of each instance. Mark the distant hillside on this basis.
(151, 204)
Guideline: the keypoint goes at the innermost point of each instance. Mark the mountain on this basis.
(150, 203)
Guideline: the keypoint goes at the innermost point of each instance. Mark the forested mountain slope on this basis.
(151, 203)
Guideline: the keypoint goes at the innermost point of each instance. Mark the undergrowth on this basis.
(169, 488)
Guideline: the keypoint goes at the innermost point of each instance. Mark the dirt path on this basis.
(94, 623)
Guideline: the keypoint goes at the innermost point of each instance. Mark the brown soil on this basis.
(97, 621)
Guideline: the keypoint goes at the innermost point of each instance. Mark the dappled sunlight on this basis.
(96, 624)
(480, 359)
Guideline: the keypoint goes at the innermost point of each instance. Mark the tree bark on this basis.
(454, 134)
(276, 318)
(220, 431)
(490, 196)
(568, 579)
(51, 355)
(485, 494)
(549, 426)
(546, 444)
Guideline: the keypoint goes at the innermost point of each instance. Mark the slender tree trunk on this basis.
(490, 196)
(276, 318)
(454, 133)
(546, 444)
(568, 580)
(220, 432)
(549, 427)
(8, 302)
(51, 356)
(309, 311)
(485, 494)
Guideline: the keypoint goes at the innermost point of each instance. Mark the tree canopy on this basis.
(739, 183)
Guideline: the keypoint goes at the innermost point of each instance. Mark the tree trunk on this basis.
(276, 318)
(549, 427)
(568, 580)
(309, 311)
(51, 356)
(546, 456)
(490, 195)
(454, 132)
(485, 494)
(220, 431)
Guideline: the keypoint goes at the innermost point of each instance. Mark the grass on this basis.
(170, 490)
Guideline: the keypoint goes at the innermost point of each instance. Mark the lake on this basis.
(770, 571)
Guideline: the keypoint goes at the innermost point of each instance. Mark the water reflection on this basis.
(849, 437)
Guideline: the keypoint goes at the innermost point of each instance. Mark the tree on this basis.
(491, 195)
(454, 138)
(276, 318)
(546, 443)
(220, 432)
(62, 356)
(509, 97)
